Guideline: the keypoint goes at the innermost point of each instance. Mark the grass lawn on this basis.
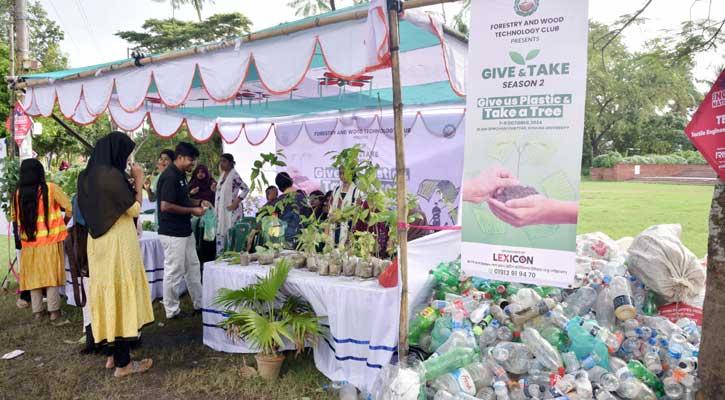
(184, 368)
(626, 208)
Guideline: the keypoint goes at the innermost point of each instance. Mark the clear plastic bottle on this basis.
(536, 310)
(630, 328)
(486, 393)
(571, 361)
(583, 385)
(513, 357)
(579, 302)
(480, 312)
(541, 349)
(505, 334)
(489, 335)
(603, 378)
(501, 390)
(673, 389)
(348, 392)
(639, 293)
(604, 308)
(459, 380)
(459, 338)
(622, 299)
(651, 357)
(481, 374)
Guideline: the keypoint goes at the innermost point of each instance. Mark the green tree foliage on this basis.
(161, 35)
(197, 4)
(635, 99)
(306, 8)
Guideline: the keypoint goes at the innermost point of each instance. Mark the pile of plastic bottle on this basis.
(493, 340)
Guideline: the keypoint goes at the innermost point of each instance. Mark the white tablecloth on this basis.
(360, 318)
(152, 254)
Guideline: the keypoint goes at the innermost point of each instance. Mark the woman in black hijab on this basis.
(119, 297)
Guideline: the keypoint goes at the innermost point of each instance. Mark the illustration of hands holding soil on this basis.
(514, 204)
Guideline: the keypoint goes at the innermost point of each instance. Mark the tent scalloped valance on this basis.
(221, 74)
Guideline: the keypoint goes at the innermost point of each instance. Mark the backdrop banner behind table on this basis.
(525, 100)
(433, 154)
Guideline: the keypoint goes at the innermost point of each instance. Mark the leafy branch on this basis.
(258, 177)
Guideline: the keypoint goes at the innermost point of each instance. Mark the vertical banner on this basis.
(707, 128)
(526, 84)
(22, 121)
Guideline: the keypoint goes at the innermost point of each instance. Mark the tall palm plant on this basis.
(264, 319)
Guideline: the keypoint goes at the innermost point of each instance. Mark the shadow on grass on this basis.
(53, 368)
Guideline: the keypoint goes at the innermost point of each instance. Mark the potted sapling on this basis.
(260, 316)
(309, 239)
(265, 255)
(365, 246)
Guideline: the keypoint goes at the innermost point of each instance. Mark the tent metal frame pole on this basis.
(395, 6)
(251, 37)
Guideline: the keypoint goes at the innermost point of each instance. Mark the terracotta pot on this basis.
(253, 257)
(269, 367)
(243, 259)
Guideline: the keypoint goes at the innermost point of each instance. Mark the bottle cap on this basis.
(632, 278)
(695, 353)
(517, 334)
(562, 371)
(652, 341)
(607, 279)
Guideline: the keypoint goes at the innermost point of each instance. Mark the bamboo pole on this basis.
(73, 133)
(399, 180)
(252, 37)
(13, 95)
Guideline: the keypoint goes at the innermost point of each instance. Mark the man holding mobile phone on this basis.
(175, 209)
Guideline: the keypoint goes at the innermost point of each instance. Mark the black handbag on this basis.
(75, 247)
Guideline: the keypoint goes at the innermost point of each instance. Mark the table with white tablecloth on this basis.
(152, 254)
(359, 317)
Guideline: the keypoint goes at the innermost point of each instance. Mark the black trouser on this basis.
(121, 353)
(25, 295)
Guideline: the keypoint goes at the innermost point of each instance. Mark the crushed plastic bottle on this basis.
(493, 340)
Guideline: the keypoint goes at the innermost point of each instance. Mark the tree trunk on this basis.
(712, 368)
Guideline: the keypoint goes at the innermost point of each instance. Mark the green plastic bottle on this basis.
(449, 361)
(643, 374)
(421, 324)
(446, 274)
(555, 336)
(650, 307)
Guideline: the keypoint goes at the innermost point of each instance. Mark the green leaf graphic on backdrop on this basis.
(557, 186)
(532, 54)
(502, 149)
(517, 58)
(535, 232)
(487, 222)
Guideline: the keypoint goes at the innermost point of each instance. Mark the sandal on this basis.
(54, 315)
(37, 316)
(137, 367)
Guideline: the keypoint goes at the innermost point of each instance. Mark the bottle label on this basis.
(465, 381)
(427, 312)
(623, 300)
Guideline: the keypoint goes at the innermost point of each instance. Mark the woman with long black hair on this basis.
(42, 231)
(119, 293)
